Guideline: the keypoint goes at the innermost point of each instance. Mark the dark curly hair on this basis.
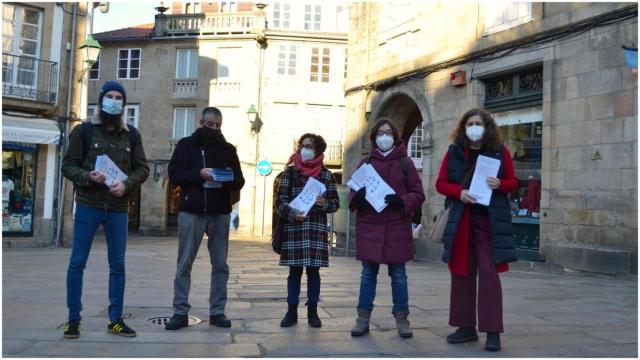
(318, 142)
(376, 125)
(492, 138)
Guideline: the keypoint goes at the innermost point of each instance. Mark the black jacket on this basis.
(189, 157)
(499, 210)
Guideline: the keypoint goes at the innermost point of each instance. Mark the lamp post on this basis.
(254, 119)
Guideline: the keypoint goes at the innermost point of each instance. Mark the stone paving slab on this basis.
(545, 315)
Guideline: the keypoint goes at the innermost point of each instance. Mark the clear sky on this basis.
(124, 14)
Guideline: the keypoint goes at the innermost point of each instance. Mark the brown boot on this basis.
(362, 323)
(404, 330)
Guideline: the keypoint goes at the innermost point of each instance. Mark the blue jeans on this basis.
(115, 224)
(399, 287)
(294, 280)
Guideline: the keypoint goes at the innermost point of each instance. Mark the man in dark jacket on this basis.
(205, 205)
(97, 203)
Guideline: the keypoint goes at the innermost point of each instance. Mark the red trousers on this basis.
(462, 310)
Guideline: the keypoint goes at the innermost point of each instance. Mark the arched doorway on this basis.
(405, 110)
(406, 114)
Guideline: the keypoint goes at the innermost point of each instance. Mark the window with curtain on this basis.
(187, 64)
(505, 15)
(21, 33)
(184, 121)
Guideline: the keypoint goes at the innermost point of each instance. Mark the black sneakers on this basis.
(177, 321)
(219, 320)
(72, 329)
(463, 334)
(120, 328)
(493, 342)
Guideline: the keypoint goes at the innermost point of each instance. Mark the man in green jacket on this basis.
(97, 203)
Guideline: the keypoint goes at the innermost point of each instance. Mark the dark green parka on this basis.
(129, 158)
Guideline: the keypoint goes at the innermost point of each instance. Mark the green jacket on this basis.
(116, 145)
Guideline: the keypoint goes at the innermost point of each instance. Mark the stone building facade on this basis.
(40, 96)
(286, 60)
(555, 78)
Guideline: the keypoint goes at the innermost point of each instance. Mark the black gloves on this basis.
(358, 198)
(394, 200)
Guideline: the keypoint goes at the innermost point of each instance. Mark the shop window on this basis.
(522, 131)
(18, 188)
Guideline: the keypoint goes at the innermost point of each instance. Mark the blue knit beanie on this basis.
(112, 85)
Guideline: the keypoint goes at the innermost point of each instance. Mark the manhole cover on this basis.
(163, 320)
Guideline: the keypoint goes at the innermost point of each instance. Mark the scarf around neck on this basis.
(311, 168)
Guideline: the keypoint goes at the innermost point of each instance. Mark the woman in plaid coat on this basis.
(304, 238)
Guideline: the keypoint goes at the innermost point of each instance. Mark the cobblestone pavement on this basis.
(545, 315)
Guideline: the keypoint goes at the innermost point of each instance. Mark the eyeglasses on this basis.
(380, 133)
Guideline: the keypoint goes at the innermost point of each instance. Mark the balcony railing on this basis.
(29, 78)
(333, 154)
(185, 88)
(204, 24)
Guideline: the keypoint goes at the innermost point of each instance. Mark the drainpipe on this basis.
(65, 140)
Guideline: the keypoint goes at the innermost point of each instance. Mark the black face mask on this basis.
(110, 120)
(210, 137)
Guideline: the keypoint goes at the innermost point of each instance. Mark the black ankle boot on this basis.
(493, 342)
(463, 334)
(291, 317)
(312, 315)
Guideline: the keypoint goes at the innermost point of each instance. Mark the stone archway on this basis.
(405, 105)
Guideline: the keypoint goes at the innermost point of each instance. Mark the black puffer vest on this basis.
(502, 243)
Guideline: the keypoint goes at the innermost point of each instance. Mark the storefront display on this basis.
(522, 131)
(18, 188)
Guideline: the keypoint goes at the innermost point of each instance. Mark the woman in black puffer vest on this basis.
(478, 240)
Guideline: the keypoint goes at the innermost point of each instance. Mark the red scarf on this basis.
(309, 168)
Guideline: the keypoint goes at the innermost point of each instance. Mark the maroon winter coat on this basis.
(386, 237)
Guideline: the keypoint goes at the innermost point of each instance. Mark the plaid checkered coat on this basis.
(305, 243)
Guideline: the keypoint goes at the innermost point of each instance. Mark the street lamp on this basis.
(90, 50)
(254, 119)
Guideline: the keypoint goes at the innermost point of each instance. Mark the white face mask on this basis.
(384, 142)
(307, 154)
(475, 132)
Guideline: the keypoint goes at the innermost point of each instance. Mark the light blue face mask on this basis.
(111, 106)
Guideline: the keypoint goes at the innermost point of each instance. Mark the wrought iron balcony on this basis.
(204, 24)
(29, 78)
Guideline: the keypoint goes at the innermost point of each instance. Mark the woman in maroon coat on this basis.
(385, 237)
(478, 240)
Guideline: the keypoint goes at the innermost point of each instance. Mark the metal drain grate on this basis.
(163, 320)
